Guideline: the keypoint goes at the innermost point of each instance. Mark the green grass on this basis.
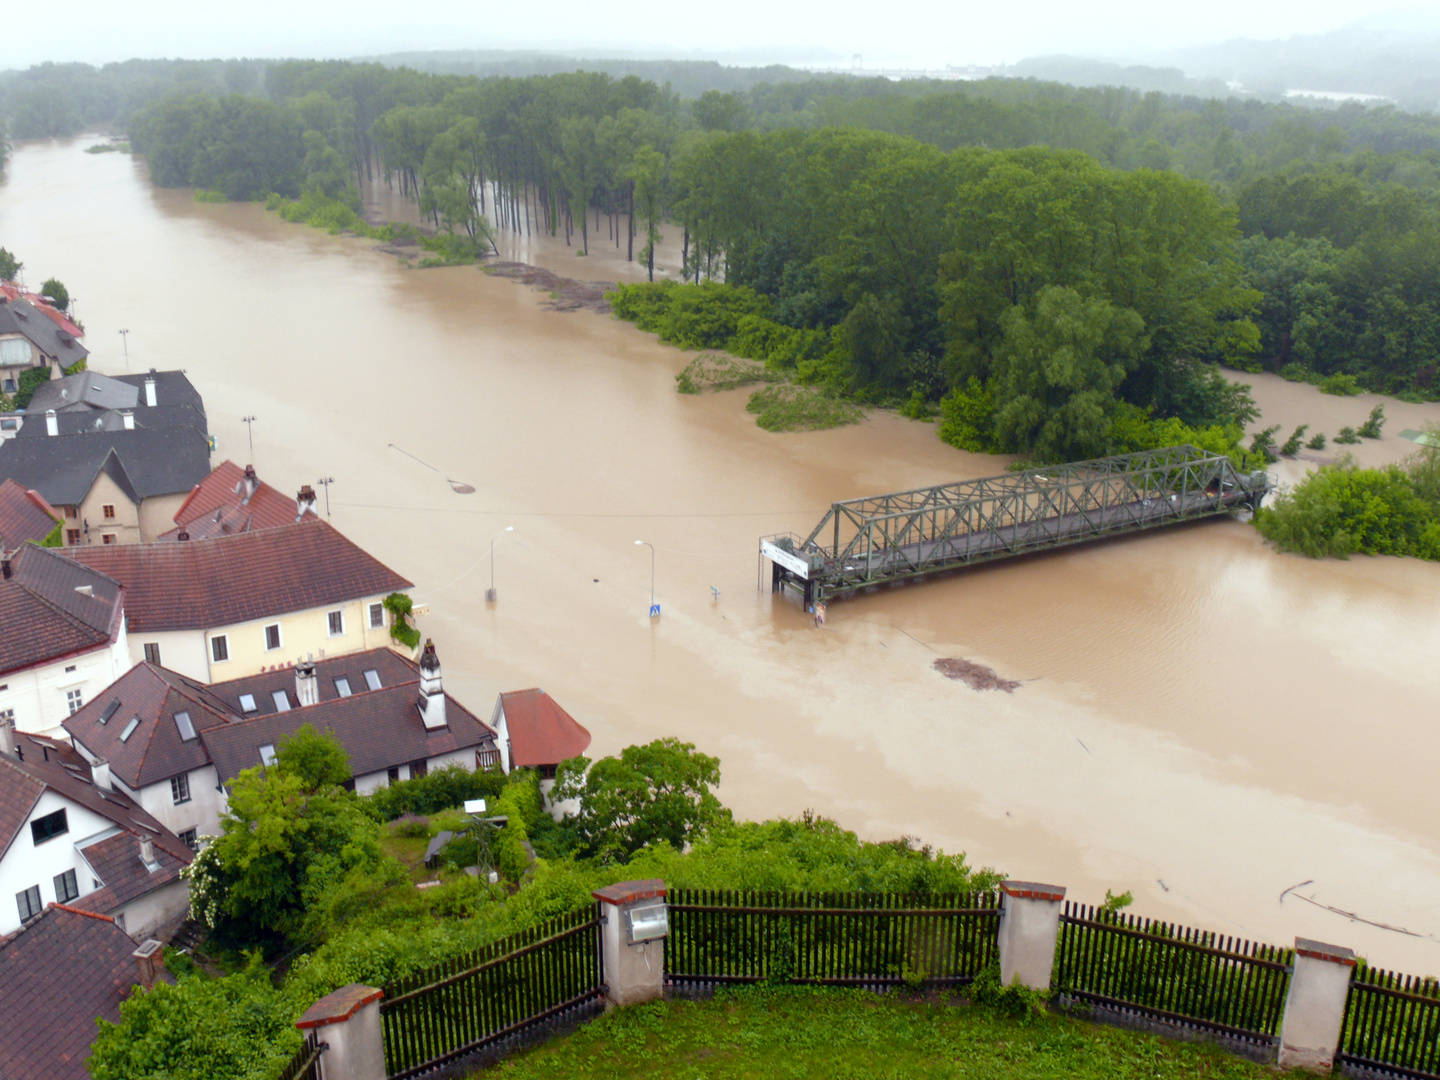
(776, 1034)
(801, 408)
(716, 371)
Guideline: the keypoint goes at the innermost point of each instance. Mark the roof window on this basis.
(342, 686)
(282, 701)
(184, 726)
(372, 679)
(267, 754)
(247, 702)
(110, 710)
(130, 729)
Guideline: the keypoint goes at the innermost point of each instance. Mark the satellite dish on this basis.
(475, 806)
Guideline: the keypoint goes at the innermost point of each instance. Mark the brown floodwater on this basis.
(1201, 720)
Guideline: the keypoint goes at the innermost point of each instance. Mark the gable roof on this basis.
(379, 729)
(38, 302)
(155, 750)
(240, 578)
(145, 462)
(44, 613)
(117, 863)
(171, 388)
(24, 515)
(62, 972)
(90, 421)
(219, 506)
(540, 731)
(19, 316)
(85, 390)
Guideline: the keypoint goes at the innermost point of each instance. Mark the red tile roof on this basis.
(541, 732)
(116, 862)
(62, 972)
(24, 515)
(239, 578)
(219, 506)
(45, 614)
(11, 291)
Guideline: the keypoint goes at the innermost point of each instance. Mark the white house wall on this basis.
(201, 813)
(180, 650)
(26, 864)
(39, 694)
(156, 913)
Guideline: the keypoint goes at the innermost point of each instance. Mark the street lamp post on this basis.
(125, 340)
(249, 421)
(490, 594)
(654, 607)
(325, 482)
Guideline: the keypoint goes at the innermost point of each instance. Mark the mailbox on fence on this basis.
(647, 922)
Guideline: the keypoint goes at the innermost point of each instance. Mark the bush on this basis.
(801, 408)
(1341, 384)
(967, 416)
(202, 195)
(1347, 436)
(1295, 441)
(439, 790)
(705, 316)
(1371, 428)
(411, 826)
(1317, 442)
(1341, 510)
(31, 379)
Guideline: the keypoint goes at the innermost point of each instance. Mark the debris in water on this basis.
(976, 676)
(566, 294)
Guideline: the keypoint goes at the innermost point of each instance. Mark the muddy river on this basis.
(1200, 720)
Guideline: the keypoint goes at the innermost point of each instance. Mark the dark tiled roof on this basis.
(62, 972)
(218, 507)
(116, 861)
(171, 388)
(19, 317)
(390, 668)
(144, 462)
(541, 732)
(154, 751)
(91, 421)
(379, 729)
(45, 616)
(240, 578)
(56, 765)
(19, 792)
(83, 391)
(24, 515)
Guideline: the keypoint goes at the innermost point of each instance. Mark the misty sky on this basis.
(917, 31)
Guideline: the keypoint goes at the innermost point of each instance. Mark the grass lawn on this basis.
(774, 1034)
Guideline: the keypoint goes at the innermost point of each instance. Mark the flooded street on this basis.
(1201, 720)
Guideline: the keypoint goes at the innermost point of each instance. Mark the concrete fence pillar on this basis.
(632, 914)
(1029, 929)
(1315, 1006)
(349, 1021)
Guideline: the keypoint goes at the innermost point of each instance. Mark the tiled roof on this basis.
(219, 506)
(83, 391)
(35, 300)
(62, 972)
(44, 613)
(56, 765)
(239, 578)
(116, 861)
(390, 668)
(379, 729)
(24, 515)
(20, 317)
(19, 792)
(155, 750)
(144, 462)
(90, 421)
(541, 732)
(171, 387)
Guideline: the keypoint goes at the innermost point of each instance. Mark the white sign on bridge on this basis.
(788, 559)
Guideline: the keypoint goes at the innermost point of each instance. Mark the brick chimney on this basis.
(307, 683)
(149, 963)
(432, 694)
(52, 425)
(250, 483)
(150, 388)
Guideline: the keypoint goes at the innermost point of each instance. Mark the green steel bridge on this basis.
(907, 535)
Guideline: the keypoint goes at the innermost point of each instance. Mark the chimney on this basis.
(251, 482)
(100, 774)
(128, 419)
(304, 502)
(5, 572)
(7, 737)
(307, 684)
(52, 426)
(182, 535)
(150, 389)
(432, 695)
(149, 963)
(147, 853)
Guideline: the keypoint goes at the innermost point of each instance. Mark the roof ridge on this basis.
(77, 911)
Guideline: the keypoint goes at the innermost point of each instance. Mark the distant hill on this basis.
(1082, 71)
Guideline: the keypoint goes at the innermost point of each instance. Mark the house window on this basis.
(219, 648)
(70, 667)
(65, 887)
(152, 653)
(267, 754)
(184, 726)
(108, 511)
(392, 774)
(72, 537)
(272, 637)
(9, 423)
(190, 839)
(247, 702)
(8, 386)
(342, 686)
(73, 700)
(72, 512)
(336, 620)
(29, 903)
(110, 710)
(49, 827)
(372, 679)
(107, 538)
(417, 769)
(281, 699)
(180, 788)
(377, 616)
(130, 729)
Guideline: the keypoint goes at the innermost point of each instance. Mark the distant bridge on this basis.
(908, 534)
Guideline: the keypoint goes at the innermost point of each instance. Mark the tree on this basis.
(648, 172)
(56, 292)
(318, 760)
(9, 265)
(653, 794)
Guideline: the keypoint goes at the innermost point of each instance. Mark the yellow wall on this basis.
(303, 634)
(125, 526)
(157, 515)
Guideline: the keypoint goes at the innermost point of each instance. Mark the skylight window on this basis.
(184, 726)
(342, 686)
(372, 679)
(282, 702)
(130, 729)
(267, 754)
(247, 702)
(110, 710)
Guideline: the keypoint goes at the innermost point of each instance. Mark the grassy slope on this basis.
(797, 1032)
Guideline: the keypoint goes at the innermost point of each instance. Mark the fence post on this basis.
(634, 969)
(1029, 928)
(1315, 1006)
(350, 1019)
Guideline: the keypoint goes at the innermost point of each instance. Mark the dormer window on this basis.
(372, 679)
(247, 703)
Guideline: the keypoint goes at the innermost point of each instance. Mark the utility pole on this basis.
(325, 482)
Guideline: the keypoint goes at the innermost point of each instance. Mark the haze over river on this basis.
(1202, 721)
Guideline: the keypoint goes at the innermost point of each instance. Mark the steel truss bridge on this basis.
(906, 535)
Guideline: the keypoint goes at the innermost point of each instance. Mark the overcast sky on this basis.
(931, 32)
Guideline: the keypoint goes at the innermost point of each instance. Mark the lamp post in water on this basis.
(490, 594)
(654, 607)
(125, 341)
(325, 482)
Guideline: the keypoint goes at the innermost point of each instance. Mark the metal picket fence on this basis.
(1392, 1024)
(305, 1065)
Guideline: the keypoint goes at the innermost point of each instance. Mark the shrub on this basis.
(411, 826)
(1341, 510)
(967, 418)
(1347, 436)
(801, 408)
(441, 789)
(1340, 384)
(205, 196)
(1264, 443)
(1317, 442)
(705, 316)
(31, 379)
(1371, 428)
(1295, 441)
